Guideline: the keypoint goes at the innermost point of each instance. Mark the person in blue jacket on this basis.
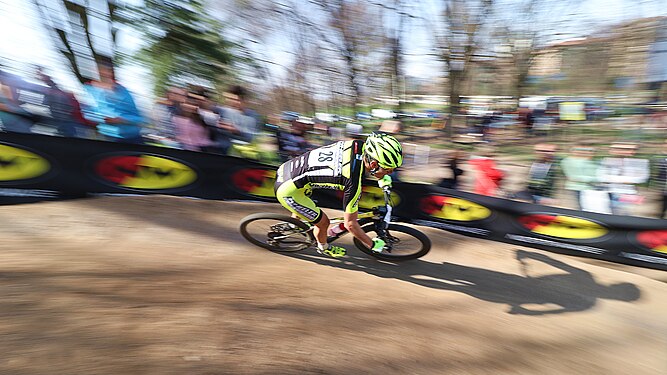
(114, 109)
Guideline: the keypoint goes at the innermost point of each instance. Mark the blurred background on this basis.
(543, 101)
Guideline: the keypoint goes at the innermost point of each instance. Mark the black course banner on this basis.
(77, 167)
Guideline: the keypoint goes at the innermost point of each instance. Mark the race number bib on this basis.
(327, 158)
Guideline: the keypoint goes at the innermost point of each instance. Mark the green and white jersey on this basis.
(336, 166)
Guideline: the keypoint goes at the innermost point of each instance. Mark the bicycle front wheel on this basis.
(276, 232)
(406, 243)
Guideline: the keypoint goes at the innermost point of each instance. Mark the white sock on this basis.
(322, 246)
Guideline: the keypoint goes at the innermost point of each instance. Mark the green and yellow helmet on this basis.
(385, 149)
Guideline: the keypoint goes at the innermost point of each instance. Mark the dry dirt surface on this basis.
(164, 285)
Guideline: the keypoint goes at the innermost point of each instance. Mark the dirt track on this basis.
(163, 285)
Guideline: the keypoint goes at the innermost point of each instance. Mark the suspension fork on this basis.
(382, 223)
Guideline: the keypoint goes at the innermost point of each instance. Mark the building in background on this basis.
(628, 57)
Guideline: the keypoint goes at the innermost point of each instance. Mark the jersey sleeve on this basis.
(351, 197)
(352, 190)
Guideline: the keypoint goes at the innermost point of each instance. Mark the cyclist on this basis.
(338, 166)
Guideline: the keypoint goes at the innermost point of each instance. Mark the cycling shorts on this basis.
(297, 200)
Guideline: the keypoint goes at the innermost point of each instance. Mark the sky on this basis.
(26, 42)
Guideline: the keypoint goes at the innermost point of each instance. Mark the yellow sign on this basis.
(563, 226)
(572, 111)
(18, 164)
(145, 172)
(450, 208)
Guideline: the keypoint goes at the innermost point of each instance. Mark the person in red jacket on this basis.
(487, 177)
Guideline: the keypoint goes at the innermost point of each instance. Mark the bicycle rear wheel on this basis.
(406, 243)
(276, 232)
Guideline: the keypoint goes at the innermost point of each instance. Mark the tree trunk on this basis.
(455, 81)
(396, 67)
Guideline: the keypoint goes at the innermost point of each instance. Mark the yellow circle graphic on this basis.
(456, 209)
(18, 164)
(155, 173)
(563, 226)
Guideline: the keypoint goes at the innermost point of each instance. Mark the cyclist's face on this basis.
(387, 171)
(381, 172)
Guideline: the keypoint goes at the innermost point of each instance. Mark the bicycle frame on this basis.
(380, 215)
(289, 234)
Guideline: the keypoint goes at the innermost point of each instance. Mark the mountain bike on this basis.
(283, 233)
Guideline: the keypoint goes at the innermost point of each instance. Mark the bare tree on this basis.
(250, 25)
(353, 33)
(395, 38)
(68, 23)
(457, 37)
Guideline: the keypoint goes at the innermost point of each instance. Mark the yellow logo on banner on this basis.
(146, 172)
(563, 226)
(372, 196)
(18, 164)
(258, 182)
(450, 208)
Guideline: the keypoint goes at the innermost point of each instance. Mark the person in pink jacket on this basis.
(191, 131)
(487, 176)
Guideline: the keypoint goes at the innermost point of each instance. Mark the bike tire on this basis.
(259, 235)
(418, 246)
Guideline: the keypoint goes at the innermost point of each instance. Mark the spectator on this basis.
(526, 119)
(542, 175)
(337, 133)
(191, 130)
(321, 133)
(487, 177)
(662, 180)
(354, 132)
(453, 165)
(539, 117)
(482, 126)
(580, 172)
(236, 121)
(292, 142)
(620, 173)
(164, 129)
(207, 108)
(12, 116)
(114, 109)
(282, 139)
(65, 110)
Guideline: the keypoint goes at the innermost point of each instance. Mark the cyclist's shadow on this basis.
(574, 290)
